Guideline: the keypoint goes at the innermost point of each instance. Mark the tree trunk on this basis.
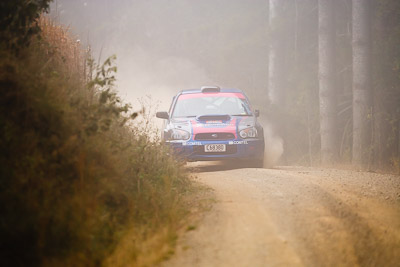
(362, 94)
(277, 72)
(276, 92)
(327, 81)
(380, 121)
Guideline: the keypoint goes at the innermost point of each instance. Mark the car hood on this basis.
(213, 123)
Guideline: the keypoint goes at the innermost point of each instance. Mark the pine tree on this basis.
(327, 81)
(362, 93)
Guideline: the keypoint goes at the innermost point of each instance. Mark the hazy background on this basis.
(164, 46)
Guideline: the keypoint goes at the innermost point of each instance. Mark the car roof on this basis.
(222, 90)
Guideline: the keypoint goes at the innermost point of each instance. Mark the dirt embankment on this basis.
(295, 216)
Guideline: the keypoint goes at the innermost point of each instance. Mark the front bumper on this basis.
(248, 149)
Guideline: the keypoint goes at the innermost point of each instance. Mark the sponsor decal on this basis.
(238, 142)
(191, 144)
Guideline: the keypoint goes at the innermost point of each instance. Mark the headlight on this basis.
(177, 134)
(248, 133)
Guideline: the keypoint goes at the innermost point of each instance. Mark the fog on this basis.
(270, 52)
(165, 46)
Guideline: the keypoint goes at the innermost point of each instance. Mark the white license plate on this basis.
(215, 148)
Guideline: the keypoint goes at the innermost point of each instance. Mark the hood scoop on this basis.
(213, 118)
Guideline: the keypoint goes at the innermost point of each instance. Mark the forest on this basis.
(339, 81)
(298, 61)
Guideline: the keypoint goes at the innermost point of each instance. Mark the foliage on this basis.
(75, 175)
(19, 21)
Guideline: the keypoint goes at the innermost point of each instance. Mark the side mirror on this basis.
(257, 113)
(162, 115)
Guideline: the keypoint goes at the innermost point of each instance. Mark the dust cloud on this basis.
(142, 74)
(163, 47)
(273, 145)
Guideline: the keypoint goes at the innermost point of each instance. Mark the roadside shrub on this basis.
(75, 175)
(19, 22)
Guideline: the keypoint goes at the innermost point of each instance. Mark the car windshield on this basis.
(191, 105)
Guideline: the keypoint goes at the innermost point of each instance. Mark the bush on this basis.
(18, 21)
(75, 175)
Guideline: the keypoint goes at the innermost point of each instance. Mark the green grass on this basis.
(77, 179)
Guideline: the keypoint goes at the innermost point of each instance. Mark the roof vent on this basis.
(210, 89)
(213, 117)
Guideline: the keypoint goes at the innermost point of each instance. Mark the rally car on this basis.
(214, 124)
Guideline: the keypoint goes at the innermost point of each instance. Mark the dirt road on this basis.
(295, 216)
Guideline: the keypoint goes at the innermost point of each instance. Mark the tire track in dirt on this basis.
(292, 217)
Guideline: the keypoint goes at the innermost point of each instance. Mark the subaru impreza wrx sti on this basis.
(214, 124)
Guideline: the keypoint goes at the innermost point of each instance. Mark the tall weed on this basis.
(76, 175)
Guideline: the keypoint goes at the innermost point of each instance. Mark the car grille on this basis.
(230, 149)
(214, 136)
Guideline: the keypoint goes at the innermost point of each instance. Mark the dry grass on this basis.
(80, 185)
(59, 46)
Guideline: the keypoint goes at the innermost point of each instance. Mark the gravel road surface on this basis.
(294, 216)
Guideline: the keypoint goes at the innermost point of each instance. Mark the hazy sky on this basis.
(164, 46)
